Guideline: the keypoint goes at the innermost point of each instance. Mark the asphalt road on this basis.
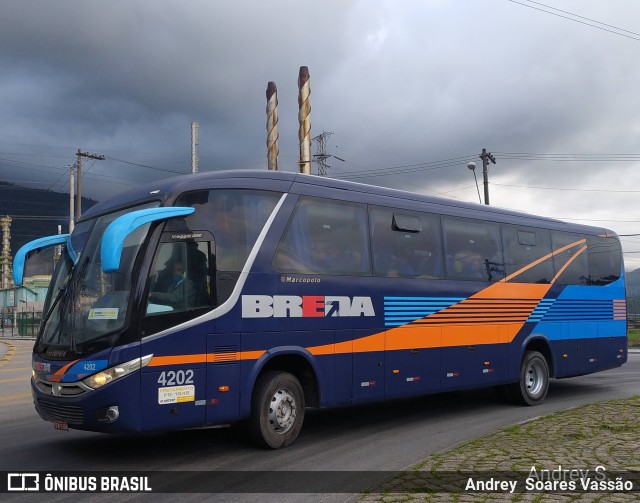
(376, 437)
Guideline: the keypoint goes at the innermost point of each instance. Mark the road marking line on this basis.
(15, 369)
(14, 379)
(12, 397)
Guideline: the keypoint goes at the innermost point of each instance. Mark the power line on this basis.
(65, 172)
(564, 188)
(456, 161)
(38, 217)
(600, 220)
(454, 190)
(146, 166)
(581, 22)
(529, 156)
(582, 17)
(31, 163)
(407, 168)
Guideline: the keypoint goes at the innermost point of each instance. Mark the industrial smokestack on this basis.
(272, 126)
(304, 118)
(5, 257)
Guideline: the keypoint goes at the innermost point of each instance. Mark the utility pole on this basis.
(80, 154)
(71, 199)
(486, 157)
(194, 147)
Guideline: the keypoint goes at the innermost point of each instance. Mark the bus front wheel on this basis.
(532, 387)
(277, 409)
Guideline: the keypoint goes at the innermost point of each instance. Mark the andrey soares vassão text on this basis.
(559, 479)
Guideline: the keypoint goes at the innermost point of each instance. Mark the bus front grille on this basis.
(47, 388)
(70, 413)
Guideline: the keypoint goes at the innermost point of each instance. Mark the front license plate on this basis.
(61, 425)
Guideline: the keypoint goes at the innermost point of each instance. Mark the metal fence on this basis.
(20, 324)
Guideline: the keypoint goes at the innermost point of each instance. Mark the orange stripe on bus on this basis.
(542, 259)
(158, 361)
(568, 263)
(423, 337)
(252, 355)
(453, 326)
(58, 375)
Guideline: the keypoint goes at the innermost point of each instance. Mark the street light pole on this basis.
(472, 167)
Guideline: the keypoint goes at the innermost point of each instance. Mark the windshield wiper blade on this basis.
(76, 281)
(59, 296)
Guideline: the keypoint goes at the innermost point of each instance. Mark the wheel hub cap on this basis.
(282, 411)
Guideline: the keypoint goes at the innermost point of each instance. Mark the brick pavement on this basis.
(603, 434)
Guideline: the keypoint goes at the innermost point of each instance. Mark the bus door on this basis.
(174, 384)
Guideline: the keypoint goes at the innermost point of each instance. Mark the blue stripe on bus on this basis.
(572, 310)
(402, 310)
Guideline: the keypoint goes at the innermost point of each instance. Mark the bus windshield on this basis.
(84, 303)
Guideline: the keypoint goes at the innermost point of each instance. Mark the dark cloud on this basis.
(399, 83)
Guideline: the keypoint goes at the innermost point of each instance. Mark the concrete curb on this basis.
(11, 350)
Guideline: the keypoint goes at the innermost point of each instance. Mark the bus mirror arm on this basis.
(121, 227)
(23, 253)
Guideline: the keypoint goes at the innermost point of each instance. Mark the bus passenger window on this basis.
(325, 237)
(235, 218)
(473, 249)
(180, 278)
(570, 258)
(522, 248)
(406, 244)
(605, 260)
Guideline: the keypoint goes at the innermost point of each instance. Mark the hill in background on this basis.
(36, 213)
(633, 283)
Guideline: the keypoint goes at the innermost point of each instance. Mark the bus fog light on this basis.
(108, 414)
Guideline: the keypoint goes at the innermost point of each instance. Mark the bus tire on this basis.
(277, 409)
(533, 385)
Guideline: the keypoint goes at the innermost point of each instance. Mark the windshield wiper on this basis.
(45, 320)
(76, 281)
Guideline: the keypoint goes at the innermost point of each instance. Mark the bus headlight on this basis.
(111, 374)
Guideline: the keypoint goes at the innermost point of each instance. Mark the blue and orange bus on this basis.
(248, 296)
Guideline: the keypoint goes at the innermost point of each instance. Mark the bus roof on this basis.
(167, 189)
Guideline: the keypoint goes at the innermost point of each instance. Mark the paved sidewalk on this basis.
(603, 434)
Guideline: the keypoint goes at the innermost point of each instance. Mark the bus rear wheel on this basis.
(533, 385)
(277, 410)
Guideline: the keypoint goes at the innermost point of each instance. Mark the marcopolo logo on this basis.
(307, 306)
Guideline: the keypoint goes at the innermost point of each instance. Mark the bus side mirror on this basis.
(30, 249)
(118, 230)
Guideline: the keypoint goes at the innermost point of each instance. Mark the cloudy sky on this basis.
(412, 90)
